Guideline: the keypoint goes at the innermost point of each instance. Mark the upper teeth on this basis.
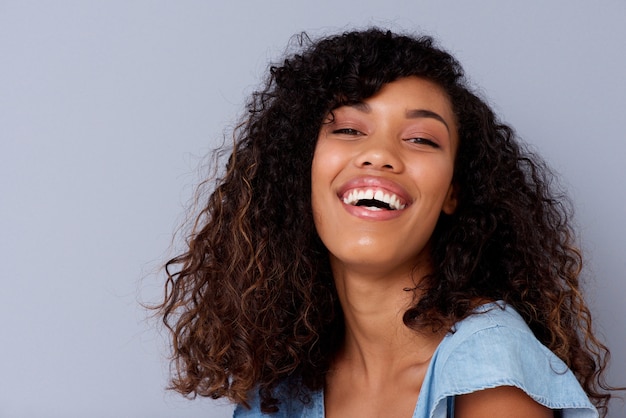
(391, 199)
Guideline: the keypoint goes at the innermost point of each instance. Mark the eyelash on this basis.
(415, 140)
(421, 140)
(346, 131)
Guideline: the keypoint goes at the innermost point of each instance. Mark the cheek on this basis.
(434, 179)
(316, 164)
(431, 172)
(328, 161)
(328, 153)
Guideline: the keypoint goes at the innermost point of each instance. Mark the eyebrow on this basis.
(410, 114)
(423, 113)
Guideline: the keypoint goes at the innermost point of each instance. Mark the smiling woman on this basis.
(381, 245)
(393, 151)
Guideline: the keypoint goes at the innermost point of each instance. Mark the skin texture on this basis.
(402, 139)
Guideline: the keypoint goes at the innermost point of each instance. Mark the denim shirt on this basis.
(492, 347)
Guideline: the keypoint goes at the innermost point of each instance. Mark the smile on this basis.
(373, 199)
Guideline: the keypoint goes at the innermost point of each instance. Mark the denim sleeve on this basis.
(254, 411)
(288, 407)
(511, 356)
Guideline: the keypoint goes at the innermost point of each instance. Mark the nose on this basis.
(380, 153)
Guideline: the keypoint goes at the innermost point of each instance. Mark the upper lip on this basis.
(376, 183)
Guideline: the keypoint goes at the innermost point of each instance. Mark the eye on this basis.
(347, 131)
(422, 141)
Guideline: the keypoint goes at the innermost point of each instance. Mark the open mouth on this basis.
(373, 199)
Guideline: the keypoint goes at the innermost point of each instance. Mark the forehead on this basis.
(416, 93)
(411, 98)
(412, 93)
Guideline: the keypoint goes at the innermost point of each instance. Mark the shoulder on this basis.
(493, 348)
(494, 336)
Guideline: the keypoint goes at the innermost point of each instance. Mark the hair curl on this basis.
(252, 301)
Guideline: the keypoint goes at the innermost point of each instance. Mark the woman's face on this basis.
(382, 175)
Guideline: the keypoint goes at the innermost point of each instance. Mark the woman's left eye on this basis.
(346, 131)
(423, 141)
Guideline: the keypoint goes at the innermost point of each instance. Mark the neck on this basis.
(378, 344)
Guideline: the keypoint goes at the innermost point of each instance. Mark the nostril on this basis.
(380, 166)
(387, 166)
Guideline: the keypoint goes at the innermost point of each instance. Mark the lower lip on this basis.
(373, 215)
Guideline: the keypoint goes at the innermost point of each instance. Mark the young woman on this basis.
(380, 245)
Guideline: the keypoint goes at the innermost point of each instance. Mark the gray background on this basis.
(108, 107)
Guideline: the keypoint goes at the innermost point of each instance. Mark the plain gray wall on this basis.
(106, 108)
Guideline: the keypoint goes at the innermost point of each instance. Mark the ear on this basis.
(451, 201)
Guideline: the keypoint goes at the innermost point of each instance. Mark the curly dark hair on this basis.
(252, 301)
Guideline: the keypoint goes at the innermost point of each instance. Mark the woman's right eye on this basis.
(346, 131)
